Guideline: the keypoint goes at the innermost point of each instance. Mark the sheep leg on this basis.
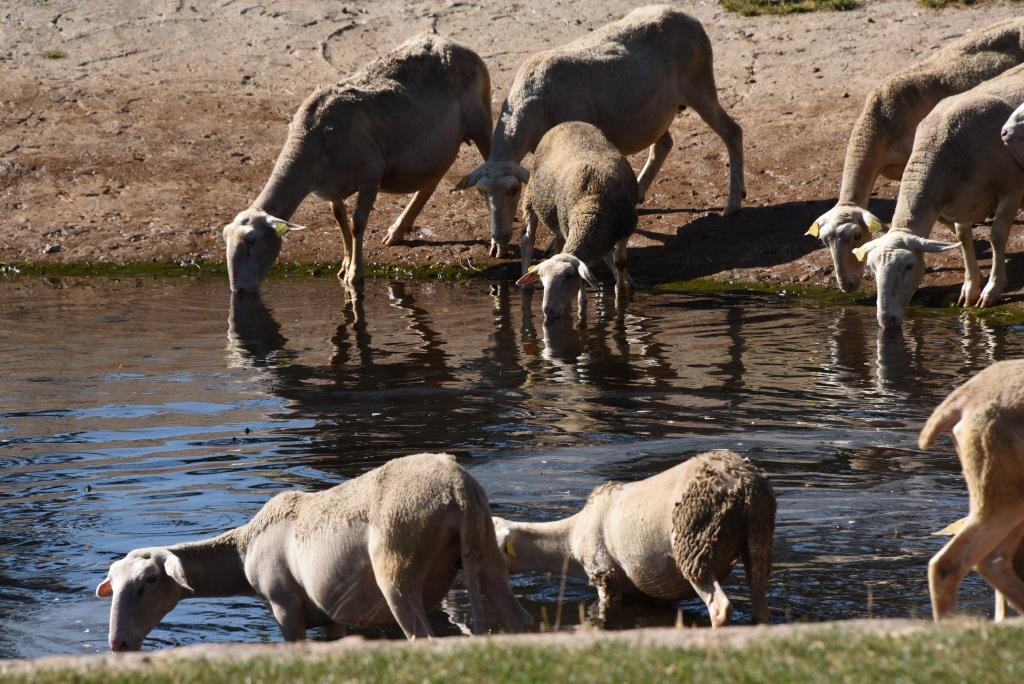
(655, 158)
(334, 631)
(494, 582)
(704, 101)
(1001, 224)
(471, 578)
(397, 231)
(950, 565)
(529, 235)
(616, 260)
(972, 275)
(713, 596)
(360, 218)
(338, 207)
(757, 563)
(291, 619)
(997, 569)
(407, 608)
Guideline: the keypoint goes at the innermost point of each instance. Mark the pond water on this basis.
(148, 412)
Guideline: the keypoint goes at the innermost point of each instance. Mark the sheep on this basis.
(629, 78)
(585, 192)
(1018, 564)
(985, 416)
(387, 544)
(666, 537)
(959, 171)
(883, 134)
(395, 126)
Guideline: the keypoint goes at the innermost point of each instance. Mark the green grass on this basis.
(55, 54)
(980, 653)
(750, 8)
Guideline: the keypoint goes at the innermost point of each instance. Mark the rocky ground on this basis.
(131, 132)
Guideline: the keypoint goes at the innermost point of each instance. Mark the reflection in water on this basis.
(149, 431)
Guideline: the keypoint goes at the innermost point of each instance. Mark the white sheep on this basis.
(985, 416)
(883, 135)
(379, 548)
(666, 537)
(395, 126)
(959, 172)
(584, 191)
(629, 78)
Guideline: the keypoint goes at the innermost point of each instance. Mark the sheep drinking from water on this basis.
(883, 136)
(629, 78)
(985, 417)
(584, 190)
(666, 537)
(959, 172)
(395, 126)
(380, 548)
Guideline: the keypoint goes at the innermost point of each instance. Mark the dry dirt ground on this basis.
(131, 132)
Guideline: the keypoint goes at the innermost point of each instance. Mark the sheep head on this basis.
(501, 184)
(144, 585)
(1013, 134)
(562, 276)
(844, 228)
(897, 260)
(506, 536)
(252, 242)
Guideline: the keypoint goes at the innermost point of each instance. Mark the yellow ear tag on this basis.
(510, 548)
(280, 227)
(875, 226)
(813, 231)
(860, 253)
(532, 268)
(951, 529)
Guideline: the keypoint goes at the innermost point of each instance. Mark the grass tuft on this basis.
(751, 8)
(55, 54)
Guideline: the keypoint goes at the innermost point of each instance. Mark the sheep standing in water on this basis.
(985, 417)
(629, 78)
(883, 136)
(380, 548)
(666, 537)
(395, 126)
(959, 172)
(584, 190)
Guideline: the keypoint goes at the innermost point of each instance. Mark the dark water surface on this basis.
(139, 413)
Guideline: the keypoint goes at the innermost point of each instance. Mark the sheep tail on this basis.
(943, 418)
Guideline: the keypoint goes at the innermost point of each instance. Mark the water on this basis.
(146, 412)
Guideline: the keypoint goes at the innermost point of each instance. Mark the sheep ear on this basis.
(469, 180)
(926, 245)
(814, 230)
(105, 590)
(951, 529)
(521, 173)
(531, 275)
(176, 571)
(872, 222)
(282, 227)
(510, 549)
(862, 252)
(587, 275)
